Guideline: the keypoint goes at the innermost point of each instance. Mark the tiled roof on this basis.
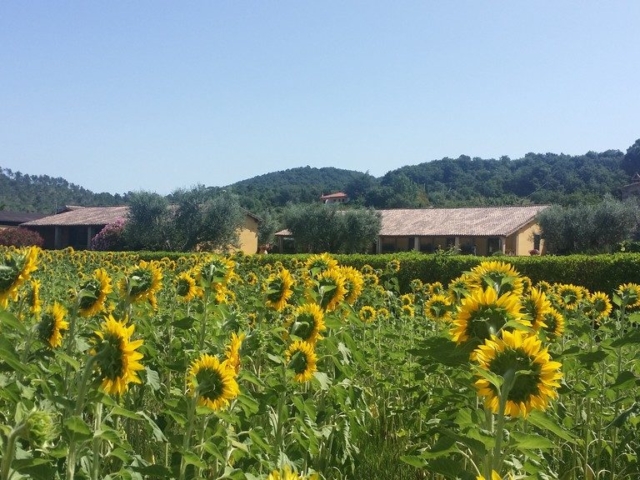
(15, 218)
(82, 217)
(485, 221)
(333, 195)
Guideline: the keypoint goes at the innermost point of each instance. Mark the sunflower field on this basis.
(227, 367)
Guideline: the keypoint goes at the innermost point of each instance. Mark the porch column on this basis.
(89, 236)
(503, 244)
(57, 241)
(378, 245)
(416, 244)
(456, 243)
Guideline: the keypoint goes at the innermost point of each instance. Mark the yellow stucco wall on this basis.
(248, 235)
(524, 239)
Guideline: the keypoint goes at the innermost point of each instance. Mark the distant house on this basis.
(76, 226)
(339, 197)
(479, 231)
(482, 231)
(632, 189)
(13, 219)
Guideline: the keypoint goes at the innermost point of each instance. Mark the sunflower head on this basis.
(438, 308)
(536, 305)
(215, 269)
(353, 283)
(367, 314)
(308, 323)
(141, 282)
(15, 268)
(416, 285)
(93, 292)
(318, 264)
(278, 289)
(500, 276)
(301, 359)
(408, 311)
(331, 288)
(116, 357)
(393, 266)
(212, 382)
(569, 296)
(519, 358)
(629, 294)
(484, 314)
(186, 287)
(53, 325)
(407, 299)
(553, 324)
(600, 305)
(435, 288)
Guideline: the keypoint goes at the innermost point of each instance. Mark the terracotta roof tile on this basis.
(82, 216)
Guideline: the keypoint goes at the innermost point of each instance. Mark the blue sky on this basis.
(156, 95)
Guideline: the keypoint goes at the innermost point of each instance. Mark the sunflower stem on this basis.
(509, 380)
(7, 458)
(186, 441)
(95, 466)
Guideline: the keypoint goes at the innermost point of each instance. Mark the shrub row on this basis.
(596, 272)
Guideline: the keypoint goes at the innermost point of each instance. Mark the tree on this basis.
(631, 161)
(147, 226)
(324, 228)
(596, 228)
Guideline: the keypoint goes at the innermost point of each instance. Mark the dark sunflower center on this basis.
(89, 294)
(210, 383)
(140, 281)
(275, 290)
(183, 287)
(8, 275)
(46, 327)
(527, 373)
(486, 321)
(298, 362)
(437, 309)
(110, 357)
(303, 326)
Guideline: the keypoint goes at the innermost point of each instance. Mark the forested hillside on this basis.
(537, 178)
(44, 194)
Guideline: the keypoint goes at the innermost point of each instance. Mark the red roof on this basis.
(334, 195)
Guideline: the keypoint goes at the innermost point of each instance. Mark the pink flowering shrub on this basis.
(20, 237)
(110, 237)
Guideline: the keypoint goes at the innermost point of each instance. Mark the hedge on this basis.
(596, 272)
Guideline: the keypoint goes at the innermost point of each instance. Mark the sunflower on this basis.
(407, 299)
(308, 323)
(186, 287)
(500, 276)
(416, 285)
(434, 288)
(15, 269)
(569, 296)
(438, 308)
(629, 294)
(370, 279)
(332, 291)
(544, 286)
(116, 356)
(318, 264)
(251, 279)
(367, 270)
(408, 310)
(536, 305)
(93, 293)
(301, 358)
(353, 283)
(383, 314)
(600, 304)
(53, 325)
(536, 376)
(32, 297)
(213, 382)
(494, 476)
(232, 352)
(142, 282)
(483, 314)
(394, 266)
(367, 314)
(459, 288)
(278, 288)
(288, 474)
(215, 269)
(553, 324)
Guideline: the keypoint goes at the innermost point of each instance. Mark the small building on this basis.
(10, 219)
(632, 189)
(339, 197)
(76, 226)
(479, 231)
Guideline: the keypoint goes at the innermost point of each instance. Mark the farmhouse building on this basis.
(339, 197)
(480, 231)
(14, 219)
(76, 226)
